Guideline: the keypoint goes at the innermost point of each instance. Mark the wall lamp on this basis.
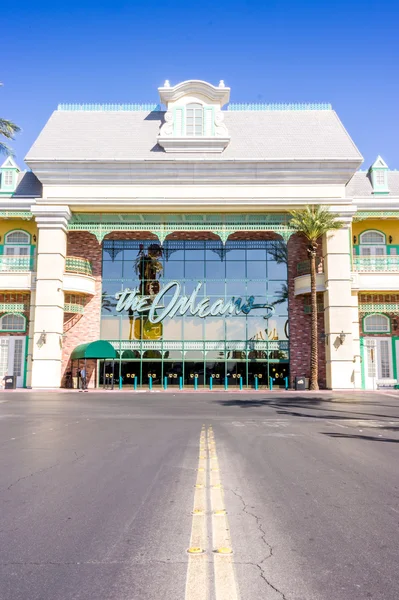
(354, 239)
(42, 339)
(342, 337)
(390, 239)
(395, 324)
(34, 238)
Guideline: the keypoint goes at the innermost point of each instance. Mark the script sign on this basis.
(132, 301)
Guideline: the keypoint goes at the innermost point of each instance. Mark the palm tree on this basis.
(313, 222)
(7, 129)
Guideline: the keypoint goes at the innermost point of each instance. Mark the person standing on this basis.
(83, 379)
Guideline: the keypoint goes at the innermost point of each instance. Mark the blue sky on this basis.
(346, 53)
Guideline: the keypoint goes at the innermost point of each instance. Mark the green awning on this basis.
(98, 349)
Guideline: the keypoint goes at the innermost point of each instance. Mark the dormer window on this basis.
(194, 119)
(379, 177)
(8, 176)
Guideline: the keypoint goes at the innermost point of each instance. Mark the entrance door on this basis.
(378, 361)
(235, 371)
(12, 352)
(260, 370)
(153, 370)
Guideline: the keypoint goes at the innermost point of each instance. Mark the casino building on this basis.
(151, 243)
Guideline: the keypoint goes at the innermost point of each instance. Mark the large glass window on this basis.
(252, 274)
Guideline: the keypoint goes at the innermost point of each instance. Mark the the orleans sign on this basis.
(133, 302)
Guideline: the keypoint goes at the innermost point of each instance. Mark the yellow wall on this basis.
(7, 225)
(387, 226)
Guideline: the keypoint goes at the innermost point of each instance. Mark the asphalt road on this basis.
(97, 492)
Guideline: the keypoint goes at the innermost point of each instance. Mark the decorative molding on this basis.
(194, 87)
(16, 214)
(361, 215)
(278, 106)
(73, 308)
(378, 307)
(51, 217)
(193, 144)
(191, 170)
(13, 307)
(145, 107)
(121, 345)
(163, 225)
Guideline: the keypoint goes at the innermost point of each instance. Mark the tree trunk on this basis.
(314, 359)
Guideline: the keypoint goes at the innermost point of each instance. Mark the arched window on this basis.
(17, 243)
(12, 322)
(194, 119)
(372, 243)
(376, 324)
(372, 237)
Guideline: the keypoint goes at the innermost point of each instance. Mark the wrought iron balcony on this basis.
(303, 267)
(376, 264)
(74, 264)
(16, 264)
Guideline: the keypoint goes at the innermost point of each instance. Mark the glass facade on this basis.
(247, 345)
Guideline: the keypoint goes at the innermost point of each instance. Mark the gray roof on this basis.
(28, 185)
(360, 185)
(255, 135)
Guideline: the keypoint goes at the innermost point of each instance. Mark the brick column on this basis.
(49, 306)
(338, 310)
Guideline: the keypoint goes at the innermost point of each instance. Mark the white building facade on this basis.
(157, 237)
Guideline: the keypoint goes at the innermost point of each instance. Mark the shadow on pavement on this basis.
(285, 405)
(355, 436)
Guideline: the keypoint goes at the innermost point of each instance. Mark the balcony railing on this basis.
(16, 264)
(376, 264)
(303, 267)
(74, 264)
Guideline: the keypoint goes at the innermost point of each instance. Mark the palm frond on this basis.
(314, 221)
(8, 129)
(5, 149)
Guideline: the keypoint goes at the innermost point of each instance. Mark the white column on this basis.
(49, 307)
(338, 310)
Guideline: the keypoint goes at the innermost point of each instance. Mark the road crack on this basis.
(32, 475)
(269, 547)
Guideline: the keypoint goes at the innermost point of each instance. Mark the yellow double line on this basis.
(198, 575)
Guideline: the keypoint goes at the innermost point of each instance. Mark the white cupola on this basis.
(194, 117)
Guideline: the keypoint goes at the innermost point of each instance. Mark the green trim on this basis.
(75, 264)
(375, 214)
(162, 225)
(394, 364)
(26, 361)
(16, 244)
(372, 230)
(362, 363)
(13, 330)
(376, 332)
(16, 214)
